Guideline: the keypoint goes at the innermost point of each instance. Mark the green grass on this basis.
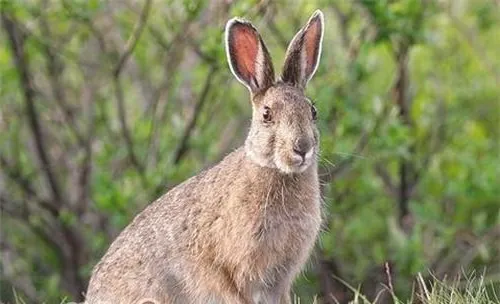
(469, 290)
(465, 290)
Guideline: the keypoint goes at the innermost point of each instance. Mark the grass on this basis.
(470, 290)
(466, 290)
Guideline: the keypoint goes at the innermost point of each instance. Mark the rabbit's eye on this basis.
(314, 112)
(267, 114)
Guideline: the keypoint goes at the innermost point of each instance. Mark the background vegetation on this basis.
(105, 105)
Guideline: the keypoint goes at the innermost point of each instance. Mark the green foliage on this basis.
(447, 52)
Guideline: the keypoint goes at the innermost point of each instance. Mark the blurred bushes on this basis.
(105, 105)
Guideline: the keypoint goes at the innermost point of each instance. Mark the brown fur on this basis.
(239, 232)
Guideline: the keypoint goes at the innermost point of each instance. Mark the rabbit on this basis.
(241, 231)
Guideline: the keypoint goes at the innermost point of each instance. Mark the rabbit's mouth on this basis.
(293, 162)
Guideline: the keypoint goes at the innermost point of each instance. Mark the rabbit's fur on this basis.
(241, 231)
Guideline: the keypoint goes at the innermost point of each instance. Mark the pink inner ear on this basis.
(313, 35)
(245, 49)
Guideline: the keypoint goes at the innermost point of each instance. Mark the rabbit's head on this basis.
(283, 132)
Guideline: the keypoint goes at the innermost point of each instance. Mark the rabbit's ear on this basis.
(302, 56)
(247, 55)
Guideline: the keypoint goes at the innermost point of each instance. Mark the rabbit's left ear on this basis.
(247, 55)
(302, 56)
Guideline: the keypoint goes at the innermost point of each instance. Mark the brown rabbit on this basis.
(241, 231)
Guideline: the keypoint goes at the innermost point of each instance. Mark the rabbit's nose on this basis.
(301, 146)
(299, 152)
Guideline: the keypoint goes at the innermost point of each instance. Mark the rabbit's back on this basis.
(148, 249)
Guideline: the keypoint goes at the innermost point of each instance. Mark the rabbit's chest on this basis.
(270, 228)
(279, 227)
(279, 238)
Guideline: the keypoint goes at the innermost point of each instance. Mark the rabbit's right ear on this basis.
(302, 56)
(247, 55)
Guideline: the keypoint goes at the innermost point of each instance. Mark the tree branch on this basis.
(16, 40)
(86, 20)
(124, 126)
(403, 103)
(386, 179)
(85, 167)
(182, 148)
(134, 38)
(55, 68)
(42, 229)
(129, 48)
(15, 175)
